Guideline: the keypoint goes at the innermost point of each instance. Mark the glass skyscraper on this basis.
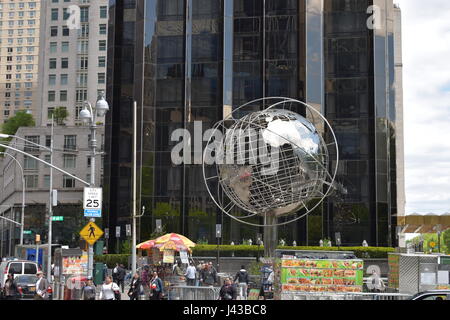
(184, 61)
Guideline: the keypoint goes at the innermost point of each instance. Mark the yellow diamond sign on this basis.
(91, 233)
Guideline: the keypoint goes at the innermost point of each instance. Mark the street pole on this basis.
(94, 149)
(133, 246)
(23, 196)
(50, 210)
(90, 116)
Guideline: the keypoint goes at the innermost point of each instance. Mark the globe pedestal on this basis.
(270, 235)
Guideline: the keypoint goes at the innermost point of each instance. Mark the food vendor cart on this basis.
(414, 273)
(162, 254)
(70, 273)
(306, 272)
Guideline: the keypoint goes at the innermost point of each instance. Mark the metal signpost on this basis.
(218, 236)
(92, 203)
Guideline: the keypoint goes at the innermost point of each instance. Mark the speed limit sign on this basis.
(92, 202)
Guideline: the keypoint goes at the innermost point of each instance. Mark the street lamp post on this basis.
(23, 196)
(89, 115)
(50, 208)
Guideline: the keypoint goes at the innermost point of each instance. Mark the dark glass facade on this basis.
(189, 60)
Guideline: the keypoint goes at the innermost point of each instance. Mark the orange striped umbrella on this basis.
(174, 241)
(146, 245)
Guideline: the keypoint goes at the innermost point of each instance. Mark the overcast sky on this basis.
(426, 59)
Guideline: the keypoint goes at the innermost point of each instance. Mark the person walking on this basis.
(135, 287)
(177, 270)
(145, 281)
(190, 275)
(209, 276)
(121, 273)
(109, 290)
(115, 273)
(228, 291)
(88, 292)
(242, 279)
(156, 286)
(10, 291)
(41, 287)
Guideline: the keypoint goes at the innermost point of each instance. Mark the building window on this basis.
(32, 147)
(102, 62)
(102, 29)
(70, 161)
(63, 95)
(53, 47)
(65, 46)
(103, 12)
(70, 142)
(52, 63)
(64, 79)
(101, 78)
(55, 14)
(31, 181)
(51, 96)
(65, 31)
(84, 14)
(53, 31)
(48, 141)
(46, 181)
(68, 182)
(30, 163)
(51, 79)
(102, 45)
(50, 112)
(83, 63)
(64, 63)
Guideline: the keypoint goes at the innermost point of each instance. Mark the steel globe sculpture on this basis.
(272, 163)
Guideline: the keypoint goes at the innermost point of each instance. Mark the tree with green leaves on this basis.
(21, 119)
(60, 115)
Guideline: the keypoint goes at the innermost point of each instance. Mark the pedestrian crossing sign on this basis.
(91, 233)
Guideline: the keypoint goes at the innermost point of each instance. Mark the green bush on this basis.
(112, 259)
(252, 251)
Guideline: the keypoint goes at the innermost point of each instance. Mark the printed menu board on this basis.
(302, 275)
(394, 260)
(76, 265)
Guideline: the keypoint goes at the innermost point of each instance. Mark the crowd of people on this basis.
(145, 284)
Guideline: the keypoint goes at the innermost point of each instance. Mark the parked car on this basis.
(26, 285)
(18, 268)
(437, 295)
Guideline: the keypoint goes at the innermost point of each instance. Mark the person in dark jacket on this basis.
(145, 280)
(121, 277)
(88, 292)
(228, 291)
(10, 291)
(209, 276)
(242, 279)
(157, 287)
(135, 288)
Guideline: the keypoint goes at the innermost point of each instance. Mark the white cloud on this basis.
(426, 59)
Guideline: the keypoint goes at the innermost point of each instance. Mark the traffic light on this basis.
(38, 238)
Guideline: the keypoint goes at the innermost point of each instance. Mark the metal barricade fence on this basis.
(193, 293)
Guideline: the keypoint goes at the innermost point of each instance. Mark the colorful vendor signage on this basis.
(169, 256)
(302, 275)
